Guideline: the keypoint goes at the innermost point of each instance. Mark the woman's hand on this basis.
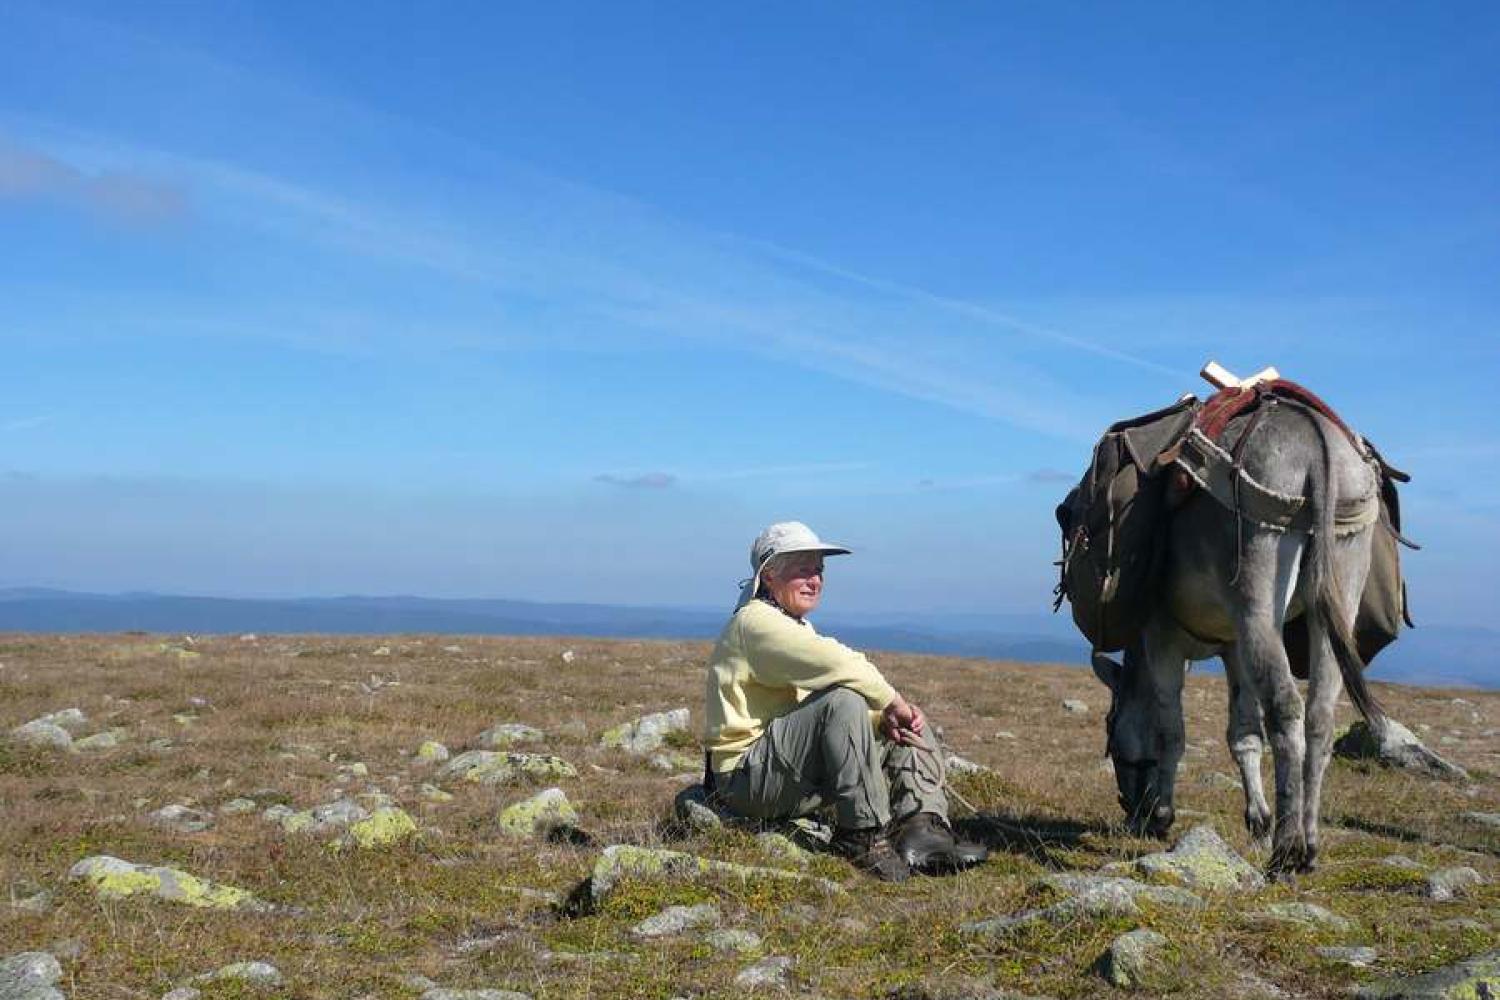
(902, 722)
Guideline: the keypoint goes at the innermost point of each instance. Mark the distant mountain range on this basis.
(1428, 655)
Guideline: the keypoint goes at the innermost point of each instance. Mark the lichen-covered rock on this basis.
(432, 752)
(1302, 914)
(474, 995)
(779, 847)
(381, 828)
(621, 861)
(1357, 956)
(30, 975)
(693, 810)
(774, 973)
(71, 719)
(327, 818)
(647, 733)
(1201, 860)
(1473, 979)
(509, 734)
(180, 818)
(113, 878)
(182, 993)
(432, 793)
(733, 940)
(107, 740)
(37, 733)
(253, 973)
(491, 767)
(1394, 745)
(1445, 883)
(238, 807)
(675, 920)
(1086, 896)
(544, 812)
(1131, 957)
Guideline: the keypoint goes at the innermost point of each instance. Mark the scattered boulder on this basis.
(647, 733)
(491, 767)
(38, 733)
(1302, 914)
(327, 818)
(1357, 956)
(112, 878)
(544, 812)
(1394, 745)
(1202, 860)
(508, 734)
(1475, 977)
(1132, 957)
(182, 819)
(621, 861)
(30, 975)
(432, 752)
(675, 920)
(382, 828)
(733, 940)
(774, 973)
(1445, 883)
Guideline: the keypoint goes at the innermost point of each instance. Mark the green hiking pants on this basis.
(826, 752)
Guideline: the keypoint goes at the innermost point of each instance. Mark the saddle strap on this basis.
(1214, 469)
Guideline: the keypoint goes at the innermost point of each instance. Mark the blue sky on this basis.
(566, 301)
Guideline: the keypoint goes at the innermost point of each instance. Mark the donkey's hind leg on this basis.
(1246, 740)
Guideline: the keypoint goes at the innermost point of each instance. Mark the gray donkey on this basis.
(1229, 583)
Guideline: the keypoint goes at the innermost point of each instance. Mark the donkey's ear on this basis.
(1108, 671)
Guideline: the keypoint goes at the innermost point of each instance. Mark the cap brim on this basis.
(747, 592)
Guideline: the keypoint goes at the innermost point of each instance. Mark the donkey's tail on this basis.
(1327, 610)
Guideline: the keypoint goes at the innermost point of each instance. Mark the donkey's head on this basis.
(1131, 741)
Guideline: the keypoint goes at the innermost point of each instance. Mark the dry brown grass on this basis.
(277, 717)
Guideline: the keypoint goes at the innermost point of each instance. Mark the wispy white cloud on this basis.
(639, 481)
(120, 196)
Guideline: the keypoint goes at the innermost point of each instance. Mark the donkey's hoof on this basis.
(1162, 818)
(1259, 827)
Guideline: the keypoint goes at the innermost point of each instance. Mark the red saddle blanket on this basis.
(1226, 404)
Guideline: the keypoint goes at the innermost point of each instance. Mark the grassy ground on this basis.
(277, 717)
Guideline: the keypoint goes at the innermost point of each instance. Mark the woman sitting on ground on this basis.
(797, 721)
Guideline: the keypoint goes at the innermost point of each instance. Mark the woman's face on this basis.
(796, 582)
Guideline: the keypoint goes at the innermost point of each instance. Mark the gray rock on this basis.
(183, 993)
(733, 940)
(432, 752)
(1074, 706)
(779, 847)
(1483, 819)
(1131, 957)
(253, 973)
(1087, 896)
(509, 734)
(647, 733)
(1202, 860)
(112, 878)
(1445, 883)
(1468, 980)
(774, 973)
(492, 767)
(107, 740)
(236, 807)
(692, 809)
(961, 765)
(39, 902)
(180, 818)
(1357, 956)
(1302, 914)
(1394, 745)
(29, 975)
(71, 719)
(337, 814)
(1402, 862)
(474, 995)
(37, 733)
(675, 920)
(621, 861)
(539, 815)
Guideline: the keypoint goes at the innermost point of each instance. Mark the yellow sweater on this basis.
(764, 664)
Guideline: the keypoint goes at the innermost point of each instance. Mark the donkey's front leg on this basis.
(1167, 653)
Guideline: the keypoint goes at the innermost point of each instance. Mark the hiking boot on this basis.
(870, 852)
(927, 843)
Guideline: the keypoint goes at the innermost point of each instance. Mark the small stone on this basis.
(381, 651)
(733, 940)
(508, 734)
(254, 973)
(1131, 957)
(1445, 883)
(774, 973)
(1475, 977)
(474, 995)
(432, 793)
(1393, 744)
(490, 767)
(1202, 860)
(29, 975)
(237, 807)
(182, 819)
(1358, 956)
(432, 752)
(962, 765)
(182, 993)
(544, 812)
(647, 733)
(42, 734)
(568, 656)
(382, 828)
(1403, 862)
(1075, 707)
(71, 719)
(1305, 914)
(108, 740)
(779, 847)
(693, 810)
(675, 920)
(1482, 818)
(1005, 734)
